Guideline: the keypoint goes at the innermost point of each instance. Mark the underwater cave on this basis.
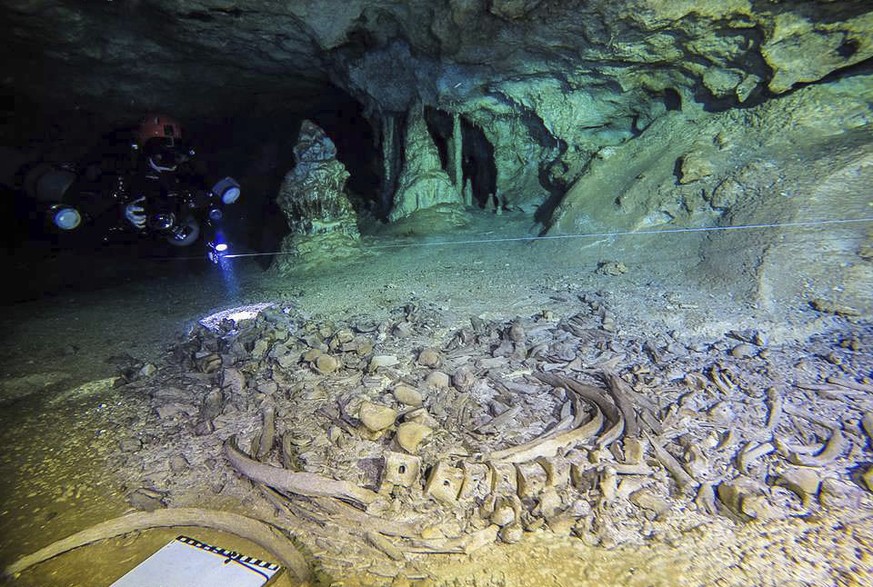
(415, 293)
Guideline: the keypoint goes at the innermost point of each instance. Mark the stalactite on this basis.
(389, 152)
(457, 152)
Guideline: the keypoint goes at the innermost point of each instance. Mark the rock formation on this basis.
(322, 221)
(566, 93)
(423, 183)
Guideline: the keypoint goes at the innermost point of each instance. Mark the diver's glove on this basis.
(135, 213)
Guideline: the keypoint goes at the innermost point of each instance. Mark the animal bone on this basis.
(752, 452)
(308, 484)
(595, 396)
(259, 532)
(444, 483)
(683, 479)
(548, 444)
(832, 449)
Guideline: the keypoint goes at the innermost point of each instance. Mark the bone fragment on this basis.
(385, 545)
(464, 545)
(804, 482)
(557, 471)
(549, 443)
(683, 479)
(721, 382)
(634, 450)
(500, 420)
(636, 469)
(532, 479)
(401, 469)
(261, 533)
(848, 383)
(444, 483)
(832, 449)
(622, 400)
(705, 499)
(867, 425)
(504, 480)
(352, 517)
(308, 484)
(750, 453)
(595, 396)
(268, 433)
(477, 481)
(795, 411)
(774, 406)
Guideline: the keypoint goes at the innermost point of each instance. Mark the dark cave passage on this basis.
(478, 166)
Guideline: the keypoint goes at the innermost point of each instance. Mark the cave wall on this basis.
(554, 85)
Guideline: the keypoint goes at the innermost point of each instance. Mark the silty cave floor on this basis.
(76, 455)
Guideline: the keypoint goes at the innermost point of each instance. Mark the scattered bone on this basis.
(805, 483)
(258, 532)
(774, 406)
(411, 434)
(550, 456)
(267, 435)
(375, 417)
(683, 479)
(854, 385)
(401, 469)
(752, 452)
(408, 395)
(308, 484)
(833, 448)
(444, 483)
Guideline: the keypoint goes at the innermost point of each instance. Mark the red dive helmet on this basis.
(158, 126)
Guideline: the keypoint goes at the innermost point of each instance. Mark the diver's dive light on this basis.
(217, 250)
(65, 217)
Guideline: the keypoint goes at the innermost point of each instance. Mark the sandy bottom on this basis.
(57, 436)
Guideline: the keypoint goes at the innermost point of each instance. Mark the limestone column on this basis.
(457, 152)
(388, 154)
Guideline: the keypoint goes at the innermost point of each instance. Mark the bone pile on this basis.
(384, 441)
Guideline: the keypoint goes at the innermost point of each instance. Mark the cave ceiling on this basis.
(122, 57)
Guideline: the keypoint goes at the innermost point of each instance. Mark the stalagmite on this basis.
(457, 154)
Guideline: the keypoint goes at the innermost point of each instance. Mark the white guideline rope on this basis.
(590, 235)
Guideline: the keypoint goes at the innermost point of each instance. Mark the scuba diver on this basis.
(153, 188)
